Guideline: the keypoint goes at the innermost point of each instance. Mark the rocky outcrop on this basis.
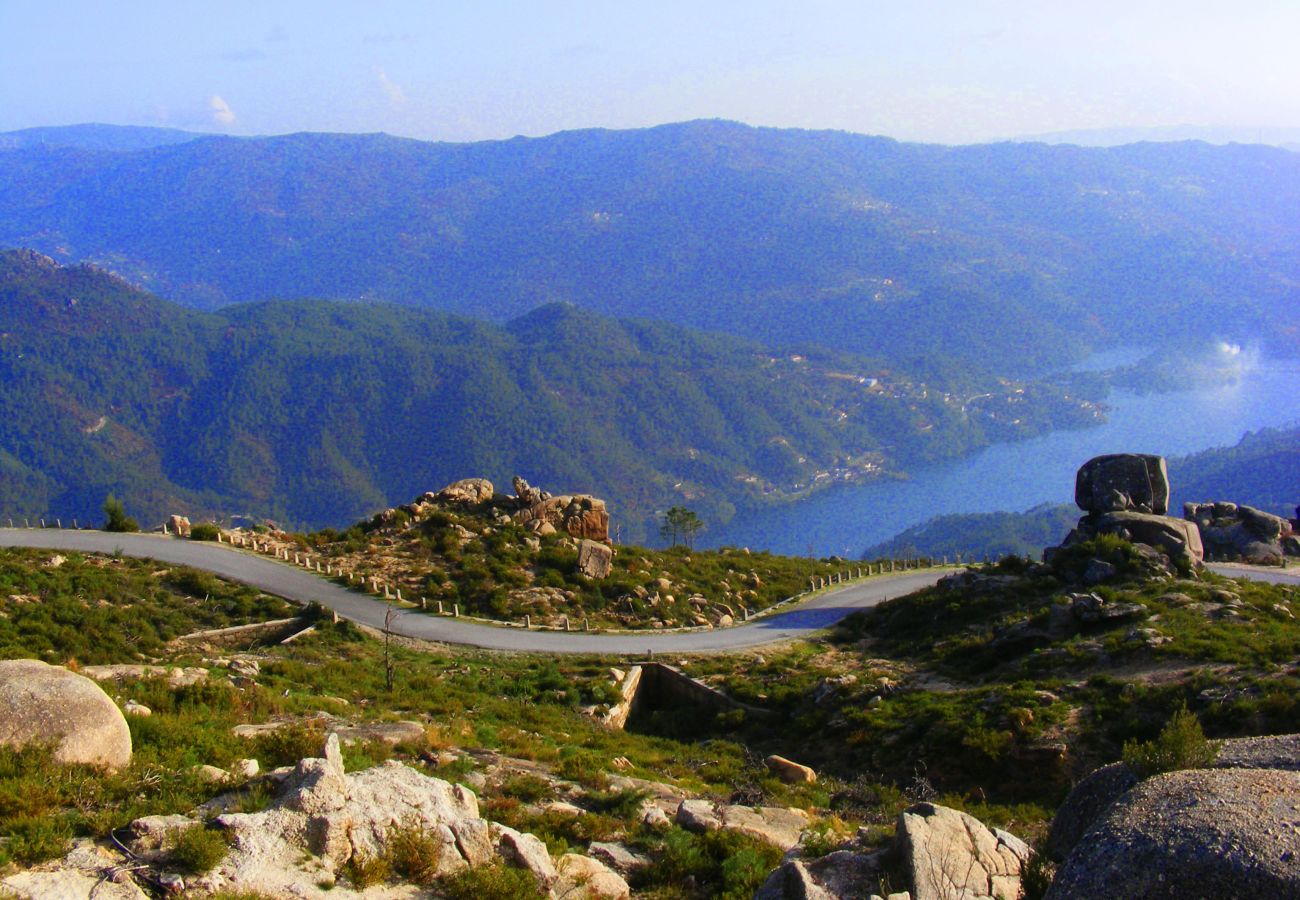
(1175, 537)
(40, 703)
(581, 877)
(179, 525)
(323, 817)
(579, 515)
(1127, 495)
(467, 490)
(1207, 833)
(1242, 533)
(1123, 482)
(948, 853)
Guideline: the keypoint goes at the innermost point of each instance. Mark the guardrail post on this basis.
(42, 522)
(75, 526)
(528, 620)
(455, 610)
(439, 607)
(566, 623)
(58, 523)
(26, 524)
(586, 624)
(399, 595)
(424, 603)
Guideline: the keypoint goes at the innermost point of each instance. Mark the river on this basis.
(1014, 477)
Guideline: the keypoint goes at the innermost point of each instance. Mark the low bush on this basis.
(1181, 744)
(199, 850)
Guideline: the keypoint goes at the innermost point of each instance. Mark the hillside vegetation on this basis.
(316, 412)
(1007, 256)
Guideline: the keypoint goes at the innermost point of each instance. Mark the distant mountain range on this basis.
(317, 413)
(1006, 257)
(1288, 138)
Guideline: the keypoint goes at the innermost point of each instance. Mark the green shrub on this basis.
(1181, 745)
(494, 882)
(199, 850)
(527, 788)
(204, 531)
(413, 852)
(623, 804)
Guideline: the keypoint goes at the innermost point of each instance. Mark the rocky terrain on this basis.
(541, 558)
(921, 749)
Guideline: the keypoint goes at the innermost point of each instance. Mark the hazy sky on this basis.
(934, 70)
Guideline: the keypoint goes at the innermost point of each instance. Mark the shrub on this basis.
(204, 531)
(364, 870)
(413, 852)
(527, 788)
(1181, 744)
(494, 882)
(199, 850)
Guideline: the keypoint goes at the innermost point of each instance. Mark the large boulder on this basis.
(1095, 794)
(1178, 538)
(948, 853)
(1123, 481)
(40, 703)
(1206, 833)
(594, 559)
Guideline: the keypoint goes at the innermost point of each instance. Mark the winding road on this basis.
(301, 586)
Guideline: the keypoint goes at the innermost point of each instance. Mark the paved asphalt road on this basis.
(302, 586)
(299, 585)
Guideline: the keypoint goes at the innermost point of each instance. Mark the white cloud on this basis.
(221, 111)
(396, 97)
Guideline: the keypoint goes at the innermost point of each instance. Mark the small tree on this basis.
(115, 517)
(1181, 745)
(680, 524)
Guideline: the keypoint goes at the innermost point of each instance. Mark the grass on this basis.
(864, 702)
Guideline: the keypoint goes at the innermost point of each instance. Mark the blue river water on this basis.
(1014, 477)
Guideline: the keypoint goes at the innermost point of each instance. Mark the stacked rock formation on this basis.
(1127, 494)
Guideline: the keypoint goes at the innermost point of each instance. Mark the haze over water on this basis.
(1017, 476)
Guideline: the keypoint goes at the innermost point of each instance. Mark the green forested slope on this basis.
(316, 412)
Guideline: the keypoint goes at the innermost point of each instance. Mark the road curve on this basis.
(301, 586)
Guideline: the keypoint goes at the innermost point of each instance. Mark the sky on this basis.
(948, 71)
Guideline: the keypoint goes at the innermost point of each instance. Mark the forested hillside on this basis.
(316, 413)
(1003, 256)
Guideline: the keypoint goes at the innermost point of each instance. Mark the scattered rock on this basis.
(132, 708)
(582, 877)
(44, 703)
(211, 774)
(152, 833)
(841, 875)
(697, 816)
(619, 857)
(526, 851)
(950, 853)
(790, 772)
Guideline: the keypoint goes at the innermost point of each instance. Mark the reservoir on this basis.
(1013, 477)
